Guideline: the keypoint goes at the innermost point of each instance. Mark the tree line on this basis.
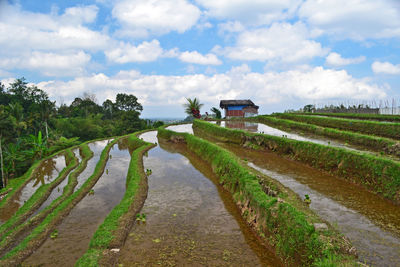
(32, 126)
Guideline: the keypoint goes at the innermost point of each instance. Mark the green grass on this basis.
(390, 130)
(360, 116)
(105, 234)
(294, 236)
(40, 195)
(380, 175)
(379, 144)
(43, 230)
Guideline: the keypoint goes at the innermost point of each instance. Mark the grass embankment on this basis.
(359, 116)
(374, 143)
(390, 130)
(112, 233)
(44, 229)
(276, 213)
(380, 175)
(11, 237)
(40, 196)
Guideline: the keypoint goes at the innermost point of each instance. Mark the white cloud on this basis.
(49, 64)
(230, 27)
(335, 59)
(144, 52)
(266, 88)
(355, 19)
(143, 18)
(282, 42)
(197, 58)
(385, 67)
(255, 12)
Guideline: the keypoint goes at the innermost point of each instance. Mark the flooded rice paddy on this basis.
(190, 221)
(76, 230)
(59, 189)
(371, 223)
(46, 172)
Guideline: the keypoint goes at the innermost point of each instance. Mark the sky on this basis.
(281, 54)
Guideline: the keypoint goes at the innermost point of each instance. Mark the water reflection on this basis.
(187, 223)
(76, 230)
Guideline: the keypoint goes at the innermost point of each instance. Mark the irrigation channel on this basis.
(190, 219)
(370, 222)
(76, 230)
(46, 173)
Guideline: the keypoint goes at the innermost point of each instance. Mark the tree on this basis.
(192, 107)
(6, 126)
(108, 108)
(217, 112)
(127, 103)
(308, 108)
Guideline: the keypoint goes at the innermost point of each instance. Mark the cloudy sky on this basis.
(280, 53)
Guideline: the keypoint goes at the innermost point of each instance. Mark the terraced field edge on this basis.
(110, 236)
(374, 143)
(44, 229)
(390, 130)
(379, 175)
(276, 213)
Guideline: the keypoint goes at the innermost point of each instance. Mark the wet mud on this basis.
(190, 220)
(76, 230)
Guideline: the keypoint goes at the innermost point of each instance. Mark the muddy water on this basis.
(189, 221)
(96, 147)
(370, 222)
(181, 128)
(76, 230)
(47, 171)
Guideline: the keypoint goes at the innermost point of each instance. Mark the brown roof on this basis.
(226, 103)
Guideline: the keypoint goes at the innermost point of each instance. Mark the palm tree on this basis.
(217, 112)
(192, 108)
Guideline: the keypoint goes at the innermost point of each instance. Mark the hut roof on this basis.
(226, 103)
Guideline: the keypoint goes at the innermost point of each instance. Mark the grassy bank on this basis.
(12, 236)
(112, 233)
(40, 195)
(380, 175)
(276, 213)
(390, 130)
(360, 116)
(374, 143)
(44, 229)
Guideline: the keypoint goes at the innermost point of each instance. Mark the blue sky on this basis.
(282, 54)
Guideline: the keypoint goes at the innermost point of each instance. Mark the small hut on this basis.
(239, 108)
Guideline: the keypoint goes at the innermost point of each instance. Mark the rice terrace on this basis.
(199, 133)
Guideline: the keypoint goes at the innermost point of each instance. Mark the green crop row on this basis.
(390, 130)
(380, 175)
(379, 144)
(360, 116)
(12, 236)
(295, 238)
(40, 196)
(43, 230)
(113, 231)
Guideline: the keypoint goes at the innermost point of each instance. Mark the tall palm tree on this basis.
(192, 107)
